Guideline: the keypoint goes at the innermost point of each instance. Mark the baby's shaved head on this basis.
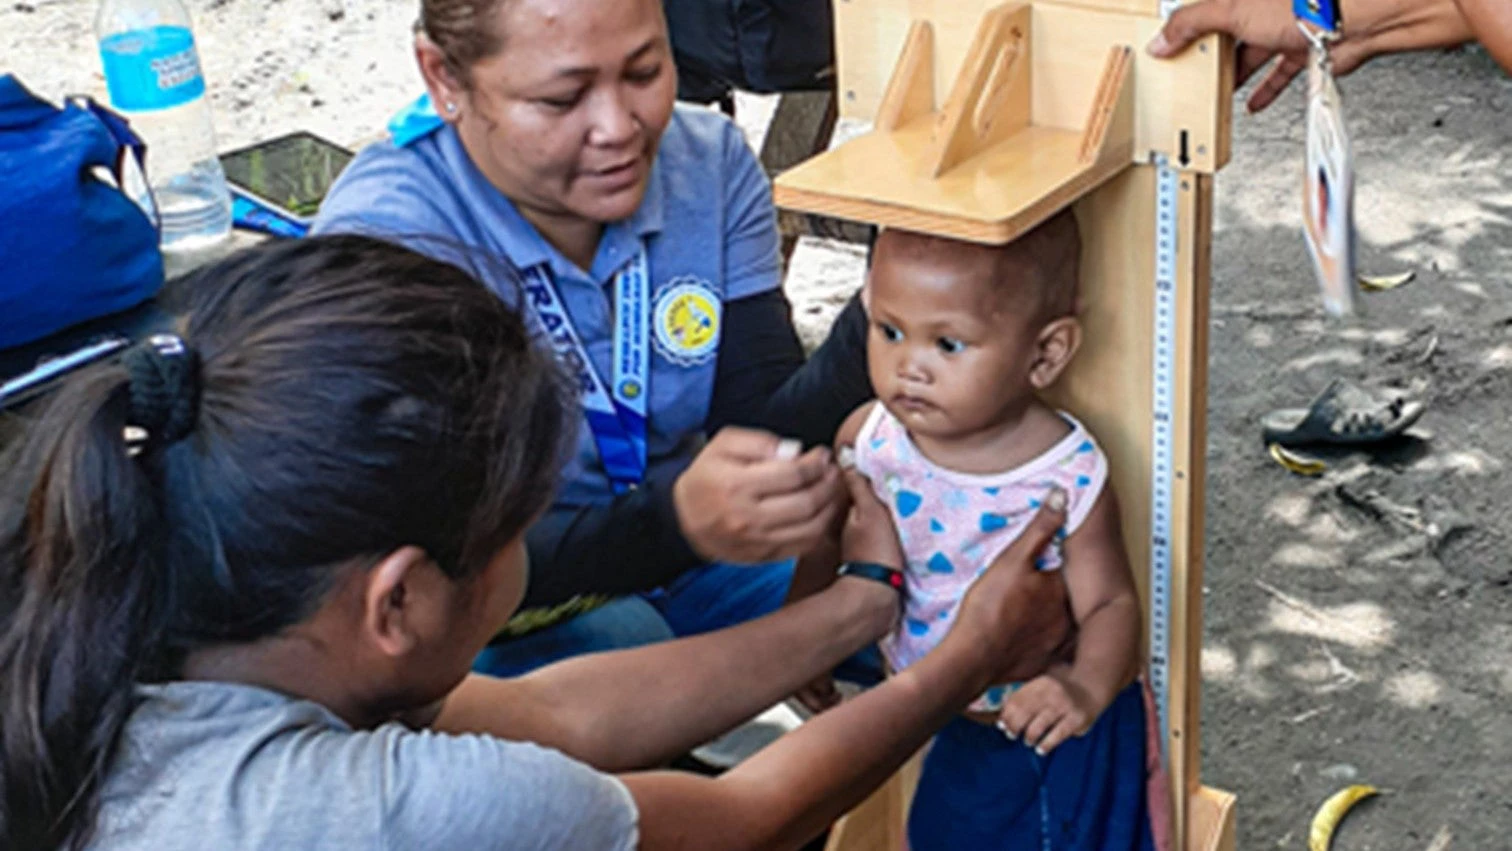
(1037, 272)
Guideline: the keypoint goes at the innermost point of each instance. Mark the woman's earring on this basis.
(451, 108)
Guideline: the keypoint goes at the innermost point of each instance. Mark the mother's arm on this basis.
(637, 706)
(787, 793)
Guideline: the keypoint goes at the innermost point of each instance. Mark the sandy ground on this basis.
(1359, 626)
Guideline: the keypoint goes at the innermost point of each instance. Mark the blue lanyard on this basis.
(616, 413)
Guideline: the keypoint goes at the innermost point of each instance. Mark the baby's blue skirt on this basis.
(981, 792)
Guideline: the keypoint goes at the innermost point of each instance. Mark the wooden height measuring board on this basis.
(988, 117)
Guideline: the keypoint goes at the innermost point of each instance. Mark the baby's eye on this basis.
(950, 345)
(889, 333)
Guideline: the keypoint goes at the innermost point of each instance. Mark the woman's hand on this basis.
(741, 502)
(1267, 30)
(1264, 30)
(869, 534)
(1016, 614)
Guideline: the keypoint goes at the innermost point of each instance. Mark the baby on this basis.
(958, 444)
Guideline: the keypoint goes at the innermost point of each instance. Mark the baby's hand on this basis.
(1046, 711)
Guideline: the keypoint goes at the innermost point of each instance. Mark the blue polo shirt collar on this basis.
(514, 237)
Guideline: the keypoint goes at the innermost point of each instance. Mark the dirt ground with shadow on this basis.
(1359, 625)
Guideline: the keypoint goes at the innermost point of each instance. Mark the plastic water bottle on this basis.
(153, 73)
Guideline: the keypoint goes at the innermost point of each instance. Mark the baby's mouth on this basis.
(912, 404)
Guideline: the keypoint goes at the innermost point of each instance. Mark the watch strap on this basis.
(889, 576)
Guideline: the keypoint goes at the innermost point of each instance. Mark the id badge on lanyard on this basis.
(1328, 184)
(616, 412)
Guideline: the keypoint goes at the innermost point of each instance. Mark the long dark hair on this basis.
(347, 397)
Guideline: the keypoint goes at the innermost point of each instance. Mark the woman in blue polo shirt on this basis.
(643, 237)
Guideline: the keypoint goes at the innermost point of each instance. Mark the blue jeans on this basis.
(701, 600)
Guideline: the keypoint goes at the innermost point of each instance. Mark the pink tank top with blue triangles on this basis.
(952, 524)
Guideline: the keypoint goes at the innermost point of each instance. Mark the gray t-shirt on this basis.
(230, 767)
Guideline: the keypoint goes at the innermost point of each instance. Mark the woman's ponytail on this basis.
(83, 588)
(344, 397)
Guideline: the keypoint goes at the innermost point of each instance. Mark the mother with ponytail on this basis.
(243, 574)
(169, 514)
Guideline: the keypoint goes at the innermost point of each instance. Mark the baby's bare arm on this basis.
(851, 428)
(1104, 603)
(1067, 700)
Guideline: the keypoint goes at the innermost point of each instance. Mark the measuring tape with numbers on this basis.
(1163, 454)
(1163, 472)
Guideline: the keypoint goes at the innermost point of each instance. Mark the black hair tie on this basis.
(164, 386)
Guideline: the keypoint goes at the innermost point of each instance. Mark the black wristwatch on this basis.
(889, 576)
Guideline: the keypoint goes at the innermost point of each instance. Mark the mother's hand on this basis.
(740, 501)
(1017, 613)
(869, 533)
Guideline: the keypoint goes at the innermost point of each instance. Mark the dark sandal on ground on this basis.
(1343, 414)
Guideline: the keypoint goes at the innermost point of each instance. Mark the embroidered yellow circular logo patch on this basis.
(686, 322)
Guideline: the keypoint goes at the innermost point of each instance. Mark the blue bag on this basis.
(73, 247)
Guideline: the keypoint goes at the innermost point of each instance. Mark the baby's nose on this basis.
(911, 368)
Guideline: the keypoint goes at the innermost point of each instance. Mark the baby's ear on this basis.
(1056, 346)
(866, 294)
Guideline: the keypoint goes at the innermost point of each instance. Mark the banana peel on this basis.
(1381, 283)
(1296, 462)
(1326, 819)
